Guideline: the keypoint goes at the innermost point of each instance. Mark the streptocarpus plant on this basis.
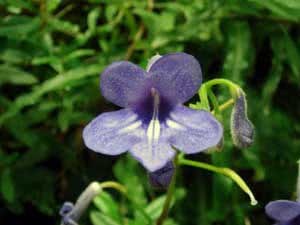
(155, 126)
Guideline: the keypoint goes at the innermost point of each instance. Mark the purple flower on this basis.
(284, 212)
(154, 119)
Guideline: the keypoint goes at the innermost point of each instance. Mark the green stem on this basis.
(203, 97)
(225, 105)
(232, 86)
(205, 92)
(170, 192)
(214, 101)
(224, 171)
(113, 185)
(298, 182)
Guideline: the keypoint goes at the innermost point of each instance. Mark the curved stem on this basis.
(224, 171)
(165, 211)
(232, 86)
(205, 92)
(113, 185)
(203, 97)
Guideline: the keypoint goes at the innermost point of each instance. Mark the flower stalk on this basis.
(221, 170)
(170, 192)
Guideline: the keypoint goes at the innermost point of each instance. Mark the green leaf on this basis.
(13, 75)
(58, 82)
(18, 4)
(64, 26)
(155, 208)
(107, 205)
(292, 55)
(286, 9)
(7, 186)
(18, 27)
(36, 185)
(52, 5)
(98, 218)
(238, 52)
(275, 74)
(126, 172)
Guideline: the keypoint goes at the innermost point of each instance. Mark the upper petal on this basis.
(283, 210)
(192, 130)
(113, 133)
(122, 83)
(177, 76)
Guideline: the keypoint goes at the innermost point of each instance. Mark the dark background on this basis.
(51, 55)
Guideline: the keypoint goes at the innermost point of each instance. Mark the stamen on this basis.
(153, 131)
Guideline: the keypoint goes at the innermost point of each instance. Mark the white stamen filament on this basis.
(153, 130)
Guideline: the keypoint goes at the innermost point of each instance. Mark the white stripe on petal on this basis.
(130, 128)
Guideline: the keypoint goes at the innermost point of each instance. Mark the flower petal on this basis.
(177, 76)
(153, 156)
(122, 83)
(192, 130)
(113, 133)
(283, 210)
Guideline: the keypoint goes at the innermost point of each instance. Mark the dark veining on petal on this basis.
(152, 103)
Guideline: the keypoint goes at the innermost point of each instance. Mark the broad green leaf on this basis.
(7, 186)
(98, 218)
(107, 205)
(154, 209)
(126, 171)
(14, 75)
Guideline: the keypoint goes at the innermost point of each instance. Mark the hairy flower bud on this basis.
(162, 177)
(242, 130)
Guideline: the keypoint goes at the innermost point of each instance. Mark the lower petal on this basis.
(192, 130)
(283, 210)
(153, 156)
(113, 133)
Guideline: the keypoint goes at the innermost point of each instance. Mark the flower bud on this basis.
(66, 208)
(242, 130)
(162, 177)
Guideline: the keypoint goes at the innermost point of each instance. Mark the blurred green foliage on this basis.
(51, 54)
